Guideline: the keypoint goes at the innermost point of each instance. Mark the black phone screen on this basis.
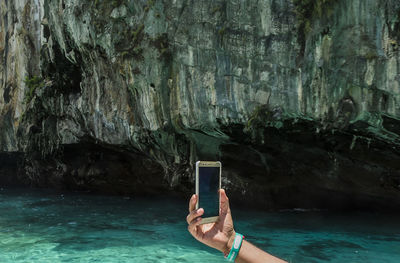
(208, 190)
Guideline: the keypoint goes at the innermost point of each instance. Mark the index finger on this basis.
(192, 203)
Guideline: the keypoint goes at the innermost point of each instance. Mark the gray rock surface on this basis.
(300, 101)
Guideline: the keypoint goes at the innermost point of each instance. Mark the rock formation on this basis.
(299, 99)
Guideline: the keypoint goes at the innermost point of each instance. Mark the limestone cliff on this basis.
(299, 99)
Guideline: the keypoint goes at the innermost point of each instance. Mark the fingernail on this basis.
(200, 210)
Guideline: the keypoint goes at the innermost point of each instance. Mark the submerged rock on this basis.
(299, 100)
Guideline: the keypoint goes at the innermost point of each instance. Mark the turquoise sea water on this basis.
(43, 226)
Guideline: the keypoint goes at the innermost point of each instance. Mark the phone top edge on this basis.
(208, 164)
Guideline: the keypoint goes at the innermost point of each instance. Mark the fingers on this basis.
(194, 219)
(195, 213)
(192, 203)
(224, 201)
(192, 227)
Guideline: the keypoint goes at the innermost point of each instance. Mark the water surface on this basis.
(45, 226)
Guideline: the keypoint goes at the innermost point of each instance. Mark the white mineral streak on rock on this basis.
(370, 73)
(326, 48)
(262, 97)
(36, 24)
(299, 91)
(183, 98)
(78, 27)
(239, 93)
(190, 61)
(119, 12)
(149, 102)
(392, 72)
(317, 80)
(17, 72)
(266, 18)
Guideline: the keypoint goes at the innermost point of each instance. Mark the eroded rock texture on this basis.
(300, 100)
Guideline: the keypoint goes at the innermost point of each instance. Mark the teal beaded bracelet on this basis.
(237, 243)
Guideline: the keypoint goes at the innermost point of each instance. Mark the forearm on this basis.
(249, 253)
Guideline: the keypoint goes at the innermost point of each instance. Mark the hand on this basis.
(218, 235)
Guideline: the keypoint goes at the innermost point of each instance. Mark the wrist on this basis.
(228, 245)
(237, 244)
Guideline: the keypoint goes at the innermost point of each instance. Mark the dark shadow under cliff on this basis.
(273, 169)
(298, 167)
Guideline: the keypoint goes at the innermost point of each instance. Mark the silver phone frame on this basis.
(212, 219)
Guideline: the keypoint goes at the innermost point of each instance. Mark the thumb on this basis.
(224, 202)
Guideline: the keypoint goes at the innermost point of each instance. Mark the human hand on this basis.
(218, 235)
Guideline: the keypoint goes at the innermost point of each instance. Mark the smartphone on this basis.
(208, 183)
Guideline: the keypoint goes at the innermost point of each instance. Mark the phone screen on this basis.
(208, 190)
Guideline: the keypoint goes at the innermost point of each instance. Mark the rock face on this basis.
(300, 100)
